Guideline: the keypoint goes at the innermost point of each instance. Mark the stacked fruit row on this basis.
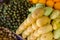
(41, 24)
(13, 13)
(51, 3)
(6, 34)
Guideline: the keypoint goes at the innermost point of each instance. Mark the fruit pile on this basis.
(13, 13)
(6, 34)
(51, 3)
(43, 23)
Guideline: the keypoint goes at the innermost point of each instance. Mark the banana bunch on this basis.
(39, 24)
(30, 19)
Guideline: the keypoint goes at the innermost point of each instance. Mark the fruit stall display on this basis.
(29, 19)
(6, 34)
(13, 13)
(43, 22)
(51, 3)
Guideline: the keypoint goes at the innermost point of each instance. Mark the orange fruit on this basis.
(34, 1)
(57, 5)
(49, 0)
(42, 1)
(50, 3)
(56, 0)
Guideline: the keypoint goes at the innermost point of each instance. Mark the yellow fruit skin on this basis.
(29, 21)
(39, 12)
(46, 36)
(42, 21)
(45, 29)
(56, 24)
(40, 31)
(31, 37)
(27, 32)
(20, 29)
(34, 27)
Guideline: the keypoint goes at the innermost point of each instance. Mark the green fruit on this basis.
(55, 14)
(48, 11)
(13, 14)
(57, 34)
(56, 24)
